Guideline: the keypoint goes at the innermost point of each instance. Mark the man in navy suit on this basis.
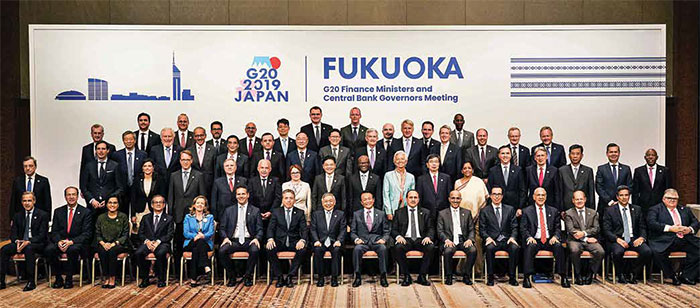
(555, 152)
(611, 175)
(97, 132)
(520, 155)
(540, 228)
(251, 143)
(219, 145)
(28, 235)
(277, 161)
(165, 154)
(284, 144)
(672, 228)
(204, 157)
(434, 188)
(413, 147)
(369, 231)
(222, 191)
(429, 144)
(316, 131)
(184, 138)
(375, 153)
(30, 181)
(388, 142)
(71, 231)
(542, 175)
(650, 181)
(265, 191)
(232, 152)
(498, 226)
(310, 165)
(130, 160)
(242, 230)
(450, 154)
(328, 230)
(624, 228)
(413, 228)
(482, 156)
(155, 232)
(510, 178)
(287, 232)
(354, 133)
(145, 137)
(100, 180)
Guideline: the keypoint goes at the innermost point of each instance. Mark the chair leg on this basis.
(81, 273)
(167, 271)
(603, 280)
(255, 273)
(614, 274)
(484, 274)
(182, 265)
(644, 274)
(123, 270)
(212, 270)
(16, 271)
(397, 272)
(442, 269)
(93, 271)
(342, 261)
(268, 272)
(573, 274)
(312, 268)
(137, 276)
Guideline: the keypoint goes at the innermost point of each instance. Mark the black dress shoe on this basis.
(247, 281)
(144, 283)
(280, 282)
(382, 281)
(231, 282)
(30, 286)
(334, 281)
(57, 284)
(513, 281)
(588, 280)
(357, 282)
(161, 284)
(448, 280)
(580, 280)
(406, 281)
(676, 280)
(687, 281)
(565, 283)
(621, 279)
(105, 286)
(111, 286)
(320, 282)
(526, 282)
(423, 280)
(489, 281)
(290, 281)
(68, 284)
(632, 279)
(467, 279)
(2, 285)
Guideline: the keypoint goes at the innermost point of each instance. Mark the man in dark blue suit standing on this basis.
(611, 175)
(510, 178)
(413, 147)
(30, 181)
(520, 154)
(130, 160)
(555, 152)
(97, 132)
(306, 158)
(434, 188)
(316, 131)
(100, 180)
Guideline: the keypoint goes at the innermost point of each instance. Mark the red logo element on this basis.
(275, 62)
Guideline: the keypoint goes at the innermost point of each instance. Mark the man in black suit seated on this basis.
(232, 152)
(555, 152)
(222, 192)
(284, 144)
(276, 159)
(672, 228)
(511, 179)
(145, 137)
(369, 231)
(361, 181)
(156, 232)
(328, 182)
(28, 235)
(165, 154)
(101, 179)
(541, 174)
(650, 181)
(97, 132)
(30, 181)
(414, 148)
(328, 230)
(455, 229)
(71, 231)
(287, 232)
(450, 154)
(317, 131)
(498, 226)
(540, 228)
(413, 229)
(265, 191)
(376, 154)
(242, 230)
(433, 187)
(624, 228)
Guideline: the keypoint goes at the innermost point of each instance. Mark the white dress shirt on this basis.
(241, 220)
(456, 227)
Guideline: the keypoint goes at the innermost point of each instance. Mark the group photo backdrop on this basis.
(592, 84)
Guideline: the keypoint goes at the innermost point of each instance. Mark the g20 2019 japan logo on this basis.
(261, 83)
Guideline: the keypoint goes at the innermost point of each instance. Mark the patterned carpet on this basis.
(370, 294)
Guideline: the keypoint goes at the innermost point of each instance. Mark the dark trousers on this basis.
(178, 240)
(576, 248)
(200, 259)
(108, 259)
(490, 255)
(531, 250)
(631, 265)
(73, 252)
(360, 250)
(688, 244)
(449, 252)
(29, 252)
(226, 251)
(400, 255)
(161, 253)
(336, 252)
(275, 262)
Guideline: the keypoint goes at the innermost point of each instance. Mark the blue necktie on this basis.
(29, 184)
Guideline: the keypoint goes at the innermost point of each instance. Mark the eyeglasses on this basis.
(497, 194)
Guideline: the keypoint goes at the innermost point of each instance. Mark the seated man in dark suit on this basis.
(540, 229)
(232, 152)
(28, 235)
(156, 232)
(611, 175)
(222, 192)
(455, 229)
(369, 231)
(672, 228)
(342, 155)
(242, 230)
(304, 157)
(498, 226)
(650, 181)
(555, 152)
(330, 181)
(376, 154)
(100, 179)
(287, 232)
(511, 179)
(277, 161)
(71, 231)
(30, 181)
(540, 174)
(328, 230)
(583, 228)
(362, 180)
(413, 229)
(434, 187)
(624, 228)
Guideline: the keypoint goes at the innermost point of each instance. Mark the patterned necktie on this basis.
(371, 157)
(318, 135)
(241, 225)
(407, 146)
(302, 157)
(575, 173)
(582, 216)
(185, 179)
(335, 153)
(543, 228)
(130, 168)
(414, 225)
(182, 140)
(614, 172)
(549, 156)
(29, 184)
(27, 226)
(515, 156)
(168, 156)
(230, 184)
(626, 226)
(327, 242)
(267, 155)
(368, 219)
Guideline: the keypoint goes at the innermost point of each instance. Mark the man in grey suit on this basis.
(204, 156)
(482, 156)
(184, 185)
(342, 154)
(611, 175)
(369, 231)
(460, 136)
(455, 229)
(573, 177)
(328, 182)
(354, 133)
(583, 228)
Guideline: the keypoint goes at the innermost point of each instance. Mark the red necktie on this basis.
(250, 147)
(651, 176)
(230, 184)
(435, 183)
(677, 222)
(541, 176)
(70, 219)
(182, 140)
(543, 230)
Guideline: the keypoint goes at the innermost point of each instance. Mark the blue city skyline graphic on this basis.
(98, 90)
